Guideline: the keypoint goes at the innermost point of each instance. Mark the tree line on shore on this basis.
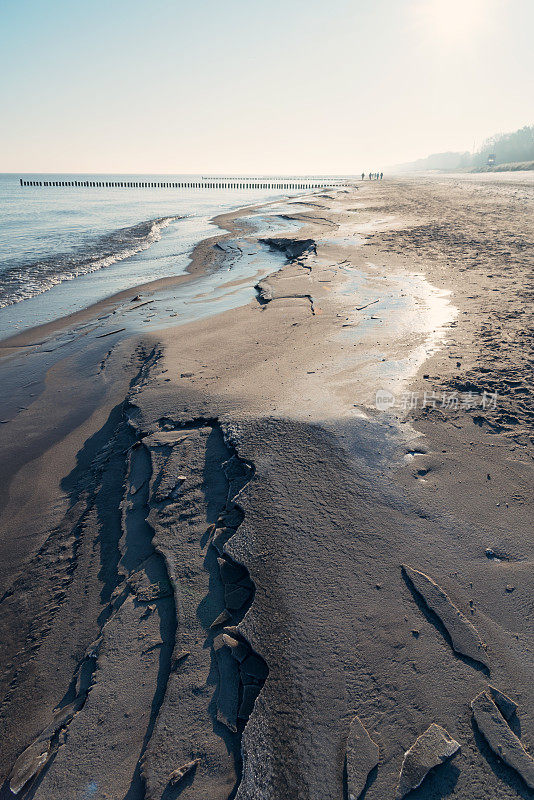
(501, 149)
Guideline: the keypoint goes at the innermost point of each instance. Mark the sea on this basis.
(64, 248)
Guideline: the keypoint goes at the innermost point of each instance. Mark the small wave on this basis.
(21, 282)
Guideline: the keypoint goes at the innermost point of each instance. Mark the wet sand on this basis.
(239, 462)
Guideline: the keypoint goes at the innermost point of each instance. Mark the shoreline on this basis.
(258, 423)
(203, 258)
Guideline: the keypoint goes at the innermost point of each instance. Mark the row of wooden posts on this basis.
(187, 185)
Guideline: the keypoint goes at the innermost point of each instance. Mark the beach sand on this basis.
(373, 564)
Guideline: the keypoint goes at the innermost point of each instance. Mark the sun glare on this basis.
(452, 21)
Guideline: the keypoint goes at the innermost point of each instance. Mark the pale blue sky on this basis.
(257, 86)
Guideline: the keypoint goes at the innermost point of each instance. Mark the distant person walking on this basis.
(363, 175)
(381, 175)
(370, 176)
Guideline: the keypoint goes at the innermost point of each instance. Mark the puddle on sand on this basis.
(399, 320)
(220, 291)
(267, 223)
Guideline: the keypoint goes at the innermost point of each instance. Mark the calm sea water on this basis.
(62, 249)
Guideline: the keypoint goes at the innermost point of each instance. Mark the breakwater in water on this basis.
(203, 184)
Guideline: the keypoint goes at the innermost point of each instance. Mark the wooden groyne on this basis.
(202, 184)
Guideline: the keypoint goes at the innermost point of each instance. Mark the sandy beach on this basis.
(229, 568)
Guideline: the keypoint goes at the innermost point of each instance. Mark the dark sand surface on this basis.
(376, 564)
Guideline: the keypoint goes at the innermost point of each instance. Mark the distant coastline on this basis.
(504, 152)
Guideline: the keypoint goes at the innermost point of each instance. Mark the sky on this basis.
(257, 86)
